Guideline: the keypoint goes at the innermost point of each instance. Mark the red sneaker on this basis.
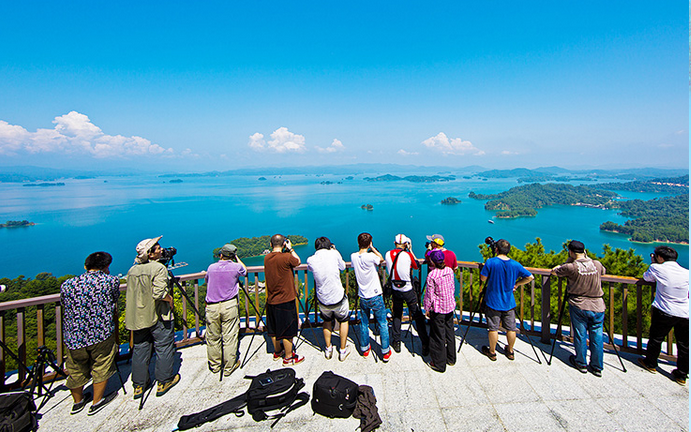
(278, 356)
(366, 352)
(387, 356)
(295, 359)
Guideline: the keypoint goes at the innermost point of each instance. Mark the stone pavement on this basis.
(474, 395)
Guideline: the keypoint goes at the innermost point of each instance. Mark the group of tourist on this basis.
(90, 308)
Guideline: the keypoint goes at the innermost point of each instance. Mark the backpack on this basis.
(269, 391)
(275, 390)
(334, 395)
(17, 412)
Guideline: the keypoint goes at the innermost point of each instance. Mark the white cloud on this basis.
(451, 146)
(257, 142)
(509, 153)
(74, 134)
(407, 153)
(282, 141)
(335, 146)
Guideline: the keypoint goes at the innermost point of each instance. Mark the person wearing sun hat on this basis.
(149, 315)
(436, 242)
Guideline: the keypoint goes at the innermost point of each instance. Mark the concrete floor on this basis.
(474, 395)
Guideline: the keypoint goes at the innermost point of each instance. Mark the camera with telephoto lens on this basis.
(428, 245)
(492, 244)
(167, 255)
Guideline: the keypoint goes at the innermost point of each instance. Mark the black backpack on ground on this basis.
(17, 412)
(269, 391)
(334, 395)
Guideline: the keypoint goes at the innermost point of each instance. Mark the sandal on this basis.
(509, 355)
(485, 351)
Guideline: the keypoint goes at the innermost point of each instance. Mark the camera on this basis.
(428, 245)
(492, 244)
(167, 255)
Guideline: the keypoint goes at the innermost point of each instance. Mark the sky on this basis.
(201, 86)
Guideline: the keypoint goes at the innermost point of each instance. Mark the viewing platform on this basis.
(474, 394)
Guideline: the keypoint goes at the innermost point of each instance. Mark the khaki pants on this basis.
(222, 324)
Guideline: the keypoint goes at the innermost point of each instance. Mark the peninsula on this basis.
(657, 220)
(257, 246)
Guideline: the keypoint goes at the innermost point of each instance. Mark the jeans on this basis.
(410, 299)
(587, 325)
(660, 326)
(161, 337)
(222, 328)
(376, 305)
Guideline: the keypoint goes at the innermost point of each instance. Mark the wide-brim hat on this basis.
(145, 245)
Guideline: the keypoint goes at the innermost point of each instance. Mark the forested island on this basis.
(661, 219)
(450, 201)
(43, 184)
(413, 179)
(368, 207)
(673, 185)
(256, 246)
(17, 224)
(525, 200)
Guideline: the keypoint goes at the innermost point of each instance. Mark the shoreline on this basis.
(650, 242)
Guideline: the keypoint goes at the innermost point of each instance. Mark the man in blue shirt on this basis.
(503, 275)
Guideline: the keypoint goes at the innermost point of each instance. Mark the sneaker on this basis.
(139, 390)
(581, 369)
(365, 353)
(596, 372)
(329, 352)
(385, 358)
(232, 369)
(448, 363)
(679, 377)
(396, 346)
(164, 387)
(79, 406)
(295, 359)
(344, 353)
(646, 366)
(434, 368)
(279, 355)
(102, 403)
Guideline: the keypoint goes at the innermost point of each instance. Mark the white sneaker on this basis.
(344, 353)
(329, 352)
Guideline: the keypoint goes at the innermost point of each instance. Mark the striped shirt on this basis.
(439, 295)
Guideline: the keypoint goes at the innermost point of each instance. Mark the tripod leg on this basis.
(472, 314)
(537, 356)
(309, 323)
(223, 362)
(122, 383)
(561, 315)
(614, 345)
(357, 338)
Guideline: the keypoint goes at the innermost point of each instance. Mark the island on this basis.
(657, 220)
(368, 207)
(175, 181)
(17, 224)
(673, 185)
(413, 179)
(524, 200)
(261, 178)
(43, 184)
(450, 201)
(257, 246)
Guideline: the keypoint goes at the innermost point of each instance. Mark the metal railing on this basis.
(618, 294)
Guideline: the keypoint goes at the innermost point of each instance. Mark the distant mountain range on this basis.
(553, 173)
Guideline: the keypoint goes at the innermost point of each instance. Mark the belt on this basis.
(232, 298)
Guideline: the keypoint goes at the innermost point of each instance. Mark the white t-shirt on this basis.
(403, 265)
(326, 266)
(365, 266)
(672, 292)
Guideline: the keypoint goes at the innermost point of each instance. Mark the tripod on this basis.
(44, 358)
(175, 281)
(481, 299)
(561, 314)
(261, 314)
(307, 319)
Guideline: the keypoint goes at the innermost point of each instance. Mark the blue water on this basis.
(200, 214)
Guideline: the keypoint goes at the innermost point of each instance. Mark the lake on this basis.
(201, 213)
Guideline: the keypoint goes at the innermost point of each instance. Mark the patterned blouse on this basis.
(439, 295)
(89, 302)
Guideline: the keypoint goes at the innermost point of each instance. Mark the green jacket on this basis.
(147, 285)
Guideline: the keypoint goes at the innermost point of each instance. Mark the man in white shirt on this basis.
(326, 266)
(403, 291)
(670, 309)
(365, 264)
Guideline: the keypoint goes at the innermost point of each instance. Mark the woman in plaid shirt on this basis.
(439, 305)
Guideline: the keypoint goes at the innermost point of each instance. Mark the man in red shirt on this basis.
(281, 292)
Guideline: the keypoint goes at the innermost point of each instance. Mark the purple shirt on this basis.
(222, 280)
(439, 295)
